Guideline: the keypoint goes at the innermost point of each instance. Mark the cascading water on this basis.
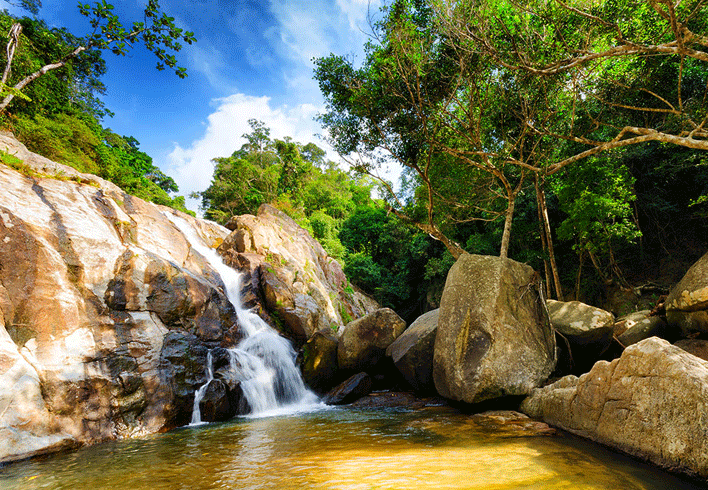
(263, 361)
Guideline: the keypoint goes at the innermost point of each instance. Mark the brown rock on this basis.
(412, 352)
(363, 342)
(649, 403)
(320, 369)
(493, 336)
(687, 304)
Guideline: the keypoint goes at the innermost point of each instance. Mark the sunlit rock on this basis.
(651, 403)
(687, 304)
(363, 342)
(493, 337)
(304, 288)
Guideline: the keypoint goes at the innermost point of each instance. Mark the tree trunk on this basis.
(504, 251)
(42, 71)
(434, 232)
(14, 40)
(543, 212)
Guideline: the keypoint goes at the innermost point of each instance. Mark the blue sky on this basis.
(252, 59)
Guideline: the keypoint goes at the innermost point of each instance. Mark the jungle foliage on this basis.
(60, 114)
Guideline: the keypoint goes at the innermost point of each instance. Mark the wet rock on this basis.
(412, 352)
(319, 365)
(493, 337)
(215, 405)
(363, 342)
(649, 403)
(397, 399)
(687, 304)
(304, 289)
(350, 390)
(509, 423)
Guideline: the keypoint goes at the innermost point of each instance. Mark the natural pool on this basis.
(432, 448)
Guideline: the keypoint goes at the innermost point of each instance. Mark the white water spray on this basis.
(263, 361)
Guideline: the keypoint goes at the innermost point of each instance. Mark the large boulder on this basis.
(412, 352)
(107, 310)
(493, 337)
(585, 330)
(292, 275)
(687, 304)
(318, 362)
(363, 342)
(651, 403)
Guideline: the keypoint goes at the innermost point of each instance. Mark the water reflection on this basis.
(343, 449)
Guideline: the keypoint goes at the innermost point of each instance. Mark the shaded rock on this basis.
(575, 319)
(587, 330)
(305, 289)
(363, 342)
(350, 390)
(493, 336)
(650, 326)
(649, 403)
(397, 399)
(318, 362)
(412, 352)
(628, 321)
(215, 405)
(696, 347)
(687, 304)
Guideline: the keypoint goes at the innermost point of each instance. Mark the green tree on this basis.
(158, 33)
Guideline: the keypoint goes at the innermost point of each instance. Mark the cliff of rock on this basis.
(106, 311)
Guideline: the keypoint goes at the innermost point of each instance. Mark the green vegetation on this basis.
(381, 254)
(577, 123)
(59, 113)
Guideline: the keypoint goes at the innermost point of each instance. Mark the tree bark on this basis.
(42, 71)
(14, 40)
(434, 232)
(543, 211)
(506, 236)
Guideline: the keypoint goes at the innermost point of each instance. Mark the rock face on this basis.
(292, 275)
(493, 336)
(364, 341)
(412, 352)
(106, 311)
(651, 403)
(687, 304)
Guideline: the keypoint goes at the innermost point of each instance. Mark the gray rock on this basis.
(493, 336)
(651, 403)
(363, 342)
(412, 352)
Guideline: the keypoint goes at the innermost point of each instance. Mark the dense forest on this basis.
(570, 137)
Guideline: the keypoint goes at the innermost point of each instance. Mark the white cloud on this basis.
(192, 168)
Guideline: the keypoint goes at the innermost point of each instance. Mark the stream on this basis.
(343, 448)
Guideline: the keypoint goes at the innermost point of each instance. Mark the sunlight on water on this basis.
(343, 449)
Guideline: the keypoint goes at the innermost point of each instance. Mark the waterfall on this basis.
(263, 361)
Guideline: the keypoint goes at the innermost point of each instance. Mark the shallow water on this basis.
(434, 448)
